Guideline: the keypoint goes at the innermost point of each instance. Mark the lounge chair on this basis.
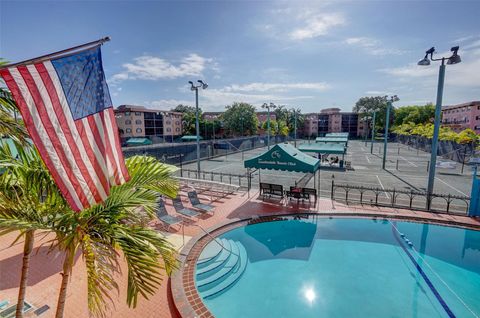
(192, 195)
(163, 215)
(4, 303)
(178, 205)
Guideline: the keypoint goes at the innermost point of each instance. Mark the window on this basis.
(128, 122)
(138, 113)
(169, 122)
(138, 122)
(177, 123)
(127, 113)
(169, 130)
(177, 129)
(129, 130)
(121, 131)
(139, 130)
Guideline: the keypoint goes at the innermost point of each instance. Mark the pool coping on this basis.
(186, 298)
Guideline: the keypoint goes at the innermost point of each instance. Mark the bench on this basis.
(302, 193)
(271, 189)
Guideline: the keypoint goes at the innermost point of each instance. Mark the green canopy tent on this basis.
(324, 148)
(190, 138)
(138, 142)
(284, 157)
(337, 134)
(334, 139)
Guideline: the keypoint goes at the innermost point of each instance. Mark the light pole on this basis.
(273, 106)
(294, 127)
(197, 128)
(373, 131)
(390, 101)
(454, 59)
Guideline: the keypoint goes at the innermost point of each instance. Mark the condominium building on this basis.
(139, 121)
(462, 116)
(331, 120)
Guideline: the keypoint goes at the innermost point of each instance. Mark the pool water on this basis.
(320, 267)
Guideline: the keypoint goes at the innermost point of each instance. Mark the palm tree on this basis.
(10, 126)
(118, 224)
(29, 199)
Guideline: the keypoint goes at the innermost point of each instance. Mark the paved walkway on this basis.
(45, 271)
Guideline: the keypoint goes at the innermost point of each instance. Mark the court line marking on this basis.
(366, 156)
(451, 186)
(386, 194)
(411, 163)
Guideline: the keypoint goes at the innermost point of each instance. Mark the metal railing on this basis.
(241, 180)
(402, 199)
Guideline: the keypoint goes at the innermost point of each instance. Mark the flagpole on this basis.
(48, 56)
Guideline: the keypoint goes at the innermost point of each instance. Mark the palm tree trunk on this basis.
(27, 251)
(67, 270)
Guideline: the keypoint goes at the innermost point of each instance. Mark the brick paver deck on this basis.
(45, 269)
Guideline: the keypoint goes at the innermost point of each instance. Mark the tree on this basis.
(8, 125)
(365, 106)
(414, 114)
(467, 136)
(188, 118)
(29, 201)
(240, 118)
(117, 223)
(291, 120)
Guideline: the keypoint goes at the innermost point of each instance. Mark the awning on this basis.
(284, 157)
(337, 134)
(335, 139)
(324, 148)
(190, 138)
(138, 141)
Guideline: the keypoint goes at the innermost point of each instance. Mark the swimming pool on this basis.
(341, 267)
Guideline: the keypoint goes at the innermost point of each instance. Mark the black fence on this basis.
(412, 200)
(181, 153)
(446, 149)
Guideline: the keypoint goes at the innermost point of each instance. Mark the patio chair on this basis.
(163, 215)
(4, 303)
(41, 310)
(193, 197)
(179, 208)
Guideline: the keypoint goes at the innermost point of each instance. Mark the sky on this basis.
(310, 54)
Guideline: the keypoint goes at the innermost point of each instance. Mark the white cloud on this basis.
(277, 87)
(372, 46)
(148, 67)
(166, 104)
(378, 93)
(317, 25)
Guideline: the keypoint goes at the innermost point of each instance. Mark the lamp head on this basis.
(192, 87)
(426, 61)
(204, 85)
(455, 58)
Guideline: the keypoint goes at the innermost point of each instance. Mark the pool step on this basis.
(209, 253)
(220, 274)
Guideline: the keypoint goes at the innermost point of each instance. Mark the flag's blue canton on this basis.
(83, 81)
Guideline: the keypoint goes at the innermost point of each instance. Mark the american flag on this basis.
(67, 110)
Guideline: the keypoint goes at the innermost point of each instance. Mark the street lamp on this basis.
(294, 127)
(273, 106)
(197, 128)
(390, 101)
(454, 59)
(373, 131)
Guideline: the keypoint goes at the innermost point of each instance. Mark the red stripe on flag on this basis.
(52, 135)
(103, 143)
(91, 154)
(118, 148)
(72, 143)
(30, 125)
